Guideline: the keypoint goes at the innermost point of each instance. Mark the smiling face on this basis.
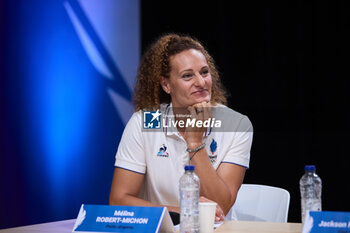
(190, 80)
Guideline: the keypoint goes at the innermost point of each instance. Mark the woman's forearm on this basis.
(211, 185)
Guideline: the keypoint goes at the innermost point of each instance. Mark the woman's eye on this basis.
(205, 72)
(187, 75)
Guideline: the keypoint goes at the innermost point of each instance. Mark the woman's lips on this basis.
(201, 92)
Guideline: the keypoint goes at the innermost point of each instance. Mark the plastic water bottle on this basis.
(189, 201)
(310, 190)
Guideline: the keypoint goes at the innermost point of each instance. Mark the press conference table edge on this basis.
(66, 226)
(259, 227)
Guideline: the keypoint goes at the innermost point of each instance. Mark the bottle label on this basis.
(313, 204)
(310, 204)
(189, 212)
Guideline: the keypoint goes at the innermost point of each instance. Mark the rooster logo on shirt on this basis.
(162, 151)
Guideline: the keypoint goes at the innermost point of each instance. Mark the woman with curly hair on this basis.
(177, 80)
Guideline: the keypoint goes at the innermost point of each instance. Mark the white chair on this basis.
(261, 203)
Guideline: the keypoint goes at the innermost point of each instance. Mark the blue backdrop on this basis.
(66, 83)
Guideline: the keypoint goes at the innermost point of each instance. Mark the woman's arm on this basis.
(126, 187)
(219, 185)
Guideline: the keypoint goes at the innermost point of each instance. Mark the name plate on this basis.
(327, 221)
(105, 218)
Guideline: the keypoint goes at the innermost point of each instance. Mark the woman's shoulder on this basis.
(232, 120)
(138, 116)
(223, 109)
(134, 120)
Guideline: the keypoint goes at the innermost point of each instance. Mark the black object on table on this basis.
(175, 217)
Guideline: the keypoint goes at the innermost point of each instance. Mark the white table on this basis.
(258, 227)
(229, 226)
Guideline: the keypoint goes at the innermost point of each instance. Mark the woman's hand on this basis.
(219, 214)
(193, 134)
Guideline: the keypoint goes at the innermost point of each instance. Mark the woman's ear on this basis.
(165, 84)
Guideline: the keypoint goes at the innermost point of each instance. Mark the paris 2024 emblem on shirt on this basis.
(213, 156)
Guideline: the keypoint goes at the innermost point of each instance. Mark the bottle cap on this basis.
(310, 168)
(189, 167)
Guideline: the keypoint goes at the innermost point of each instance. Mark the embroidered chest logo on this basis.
(162, 151)
(213, 146)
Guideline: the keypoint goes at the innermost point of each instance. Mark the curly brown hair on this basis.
(148, 93)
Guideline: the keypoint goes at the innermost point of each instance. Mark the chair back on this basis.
(261, 203)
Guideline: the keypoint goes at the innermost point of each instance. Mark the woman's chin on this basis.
(201, 100)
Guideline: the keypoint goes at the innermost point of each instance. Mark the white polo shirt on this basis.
(161, 156)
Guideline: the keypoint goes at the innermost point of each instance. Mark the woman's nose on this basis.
(199, 80)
